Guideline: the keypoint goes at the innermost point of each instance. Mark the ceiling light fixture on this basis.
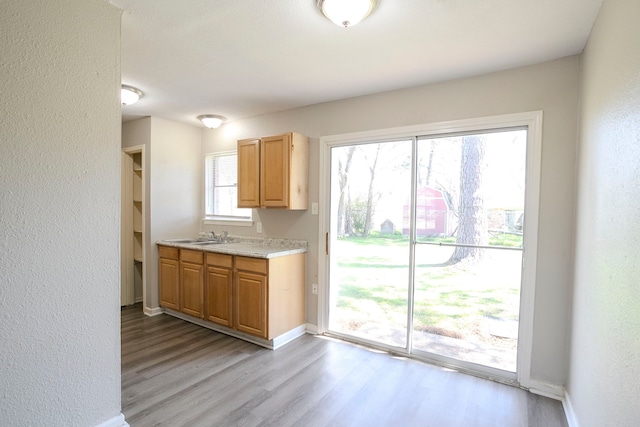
(130, 95)
(211, 120)
(346, 13)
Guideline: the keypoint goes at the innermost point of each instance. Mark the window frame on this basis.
(221, 219)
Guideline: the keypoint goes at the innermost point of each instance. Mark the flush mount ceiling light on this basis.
(346, 13)
(130, 95)
(211, 121)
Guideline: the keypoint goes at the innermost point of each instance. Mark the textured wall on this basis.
(551, 87)
(604, 382)
(59, 210)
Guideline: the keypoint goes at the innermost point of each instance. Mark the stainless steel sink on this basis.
(196, 241)
(210, 242)
(180, 240)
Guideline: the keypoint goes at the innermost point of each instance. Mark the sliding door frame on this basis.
(532, 121)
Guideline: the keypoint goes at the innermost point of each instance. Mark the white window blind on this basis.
(221, 187)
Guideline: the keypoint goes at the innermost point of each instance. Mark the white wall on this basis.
(173, 174)
(604, 381)
(551, 87)
(60, 213)
(137, 132)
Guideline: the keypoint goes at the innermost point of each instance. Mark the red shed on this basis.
(432, 214)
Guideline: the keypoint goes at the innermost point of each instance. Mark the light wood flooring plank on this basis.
(178, 374)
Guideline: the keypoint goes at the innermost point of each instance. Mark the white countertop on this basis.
(247, 246)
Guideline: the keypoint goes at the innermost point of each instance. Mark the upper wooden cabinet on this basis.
(249, 173)
(273, 172)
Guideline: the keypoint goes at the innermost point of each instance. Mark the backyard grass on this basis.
(452, 300)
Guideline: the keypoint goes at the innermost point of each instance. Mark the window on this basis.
(221, 188)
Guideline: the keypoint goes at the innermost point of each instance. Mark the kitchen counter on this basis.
(246, 246)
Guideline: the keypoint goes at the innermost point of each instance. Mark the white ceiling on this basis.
(243, 58)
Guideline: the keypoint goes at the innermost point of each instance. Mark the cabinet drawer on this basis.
(257, 265)
(194, 257)
(167, 252)
(220, 260)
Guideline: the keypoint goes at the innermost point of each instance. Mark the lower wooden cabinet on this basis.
(219, 289)
(191, 282)
(169, 277)
(261, 297)
(251, 303)
(269, 294)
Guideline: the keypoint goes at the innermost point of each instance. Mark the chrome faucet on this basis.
(223, 237)
(212, 235)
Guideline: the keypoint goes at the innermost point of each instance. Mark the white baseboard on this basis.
(547, 390)
(289, 336)
(117, 421)
(572, 420)
(272, 344)
(153, 311)
(312, 329)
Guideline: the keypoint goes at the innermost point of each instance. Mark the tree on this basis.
(358, 172)
(472, 225)
(344, 221)
(371, 193)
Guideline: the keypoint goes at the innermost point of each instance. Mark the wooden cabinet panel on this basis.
(299, 172)
(286, 293)
(256, 265)
(274, 171)
(169, 281)
(251, 303)
(191, 287)
(193, 257)
(219, 295)
(249, 173)
(167, 252)
(220, 260)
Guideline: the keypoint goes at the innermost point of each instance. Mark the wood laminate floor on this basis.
(178, 374)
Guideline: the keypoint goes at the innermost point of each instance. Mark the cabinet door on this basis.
(191, 281)
(219, 290)
(169, 278)
(251, 303)
(274, 171)
(249, 173)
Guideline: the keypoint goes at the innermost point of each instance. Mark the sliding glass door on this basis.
(468, 247)
(369, 278)
(426, 238)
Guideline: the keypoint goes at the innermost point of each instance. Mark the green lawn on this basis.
(450, 299)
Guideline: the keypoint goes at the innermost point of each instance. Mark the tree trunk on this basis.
(348, 215)
(371, 193)
(430, 164)
(343, 180)
(472, 227)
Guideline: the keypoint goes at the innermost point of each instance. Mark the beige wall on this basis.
(173, 174)
(60, 213)
(551, 87)
(604, 380)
